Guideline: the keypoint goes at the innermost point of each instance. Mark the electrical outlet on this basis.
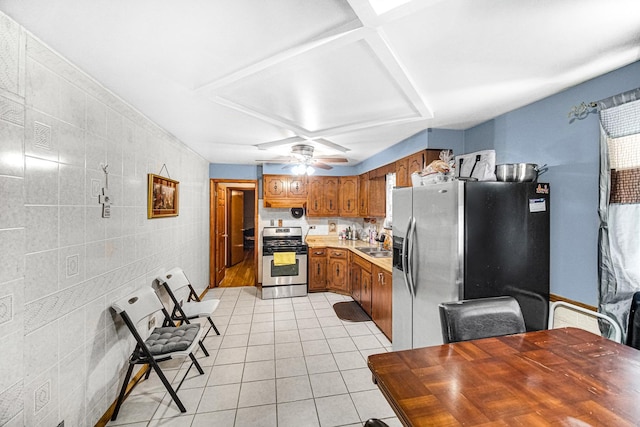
(312, 227)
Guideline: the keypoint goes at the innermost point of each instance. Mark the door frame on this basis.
(214, 187)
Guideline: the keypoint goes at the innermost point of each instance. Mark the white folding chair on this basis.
(617, 331)
(157, 344)
(174, 282)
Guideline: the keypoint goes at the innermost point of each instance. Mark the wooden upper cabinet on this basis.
(414, 163)
(377, 197)
(331, 204)
(363, 195)
(297, 187)
(348, 196)
(322, 198)
(314, 197)
(402, 176)
(284, 190)
(275, 186)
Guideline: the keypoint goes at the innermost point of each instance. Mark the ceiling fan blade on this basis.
(271, 144)
(328, 159)
(321, 165)
(330, 144)
(276, 160)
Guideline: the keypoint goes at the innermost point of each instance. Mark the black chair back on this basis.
(633, 330)
(480, 318)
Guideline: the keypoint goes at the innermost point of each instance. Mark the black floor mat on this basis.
(351, 311)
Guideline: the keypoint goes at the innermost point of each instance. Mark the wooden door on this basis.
(348, 196)
(236, 227)
(416, 162)
(377, 197)
(275, 186)
(363, 195)
(315, 196)
(338, 274)
(297, 187)
(365, 291)
(381, 300)
(317, 269)
(354, 278)
(330, 190)
(403, 179)
(221, 232)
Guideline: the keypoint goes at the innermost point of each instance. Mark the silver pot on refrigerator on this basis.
(519, 172)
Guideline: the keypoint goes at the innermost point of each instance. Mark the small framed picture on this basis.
(163, 197)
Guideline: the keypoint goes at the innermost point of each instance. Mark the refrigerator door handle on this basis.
(404, 258)
(409, 271)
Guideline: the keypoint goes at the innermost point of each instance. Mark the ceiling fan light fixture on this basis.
(302, 169)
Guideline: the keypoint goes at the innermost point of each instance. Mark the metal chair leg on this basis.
(122, 392)
(167, 385)
(204, 350)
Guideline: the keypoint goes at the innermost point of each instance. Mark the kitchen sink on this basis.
(375, 252)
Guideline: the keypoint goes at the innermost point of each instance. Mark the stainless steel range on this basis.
(284, 263)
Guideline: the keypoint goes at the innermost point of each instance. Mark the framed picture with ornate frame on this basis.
(163, 196)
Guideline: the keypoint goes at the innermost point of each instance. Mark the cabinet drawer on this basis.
(366, 265)
(320, 252)
(338, 253)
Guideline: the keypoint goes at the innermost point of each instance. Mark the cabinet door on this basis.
(402, 176)
(275, 186)
(363, 195)
(365, 291)
(377, 197)
(315, 196)
(330, 189)
(317, 270)
(348, 196)
(297, 187)
(356, 271)
(381, 300)
(338, 274)
(416, 162)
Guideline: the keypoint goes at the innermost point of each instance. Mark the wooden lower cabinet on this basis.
(337, 270)
(381, 299)
(317, 269)
(361, 282)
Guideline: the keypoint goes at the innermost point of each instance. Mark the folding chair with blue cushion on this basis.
(157, 345)
(175, 282)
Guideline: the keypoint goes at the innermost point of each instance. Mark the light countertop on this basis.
(333, 242)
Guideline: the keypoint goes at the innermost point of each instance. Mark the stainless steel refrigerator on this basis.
(461, 240)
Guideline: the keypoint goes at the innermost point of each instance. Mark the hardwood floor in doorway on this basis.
(241, 274)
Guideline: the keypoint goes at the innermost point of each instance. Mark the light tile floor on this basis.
(283, 362)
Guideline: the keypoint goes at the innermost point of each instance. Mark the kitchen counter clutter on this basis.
(338, 266)
(350, 245)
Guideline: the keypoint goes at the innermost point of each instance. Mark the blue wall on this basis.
(542, 133)
(231, 171)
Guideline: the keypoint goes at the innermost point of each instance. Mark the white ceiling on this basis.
(227, 75)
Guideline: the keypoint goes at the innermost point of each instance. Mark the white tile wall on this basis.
(62, 263)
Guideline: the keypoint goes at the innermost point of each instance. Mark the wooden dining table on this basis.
(564, 377)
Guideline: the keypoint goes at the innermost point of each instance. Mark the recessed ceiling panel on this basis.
(494, 56)
(324, 90)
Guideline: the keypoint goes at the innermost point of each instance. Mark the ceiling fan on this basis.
(302, 161)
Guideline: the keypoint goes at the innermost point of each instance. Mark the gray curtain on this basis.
(619, 204)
